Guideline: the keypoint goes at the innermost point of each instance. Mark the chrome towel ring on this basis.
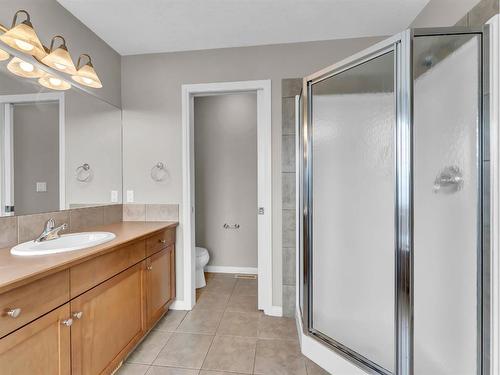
(159, 172)
(83, 173)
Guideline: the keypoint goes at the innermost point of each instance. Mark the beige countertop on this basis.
(19, 270)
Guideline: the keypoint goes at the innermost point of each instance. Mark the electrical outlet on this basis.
(114, 196)
(130, 196)
(41, 187)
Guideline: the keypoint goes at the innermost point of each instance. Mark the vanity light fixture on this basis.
(86, 74)
(54, 83)
(23, 37)
(24, 69)
(4, 55)
(59, 58)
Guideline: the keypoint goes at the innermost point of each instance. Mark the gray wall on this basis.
(49, 18)
(93, 136)
(225, 138)
(151, 97)
(36, 157)
(441, 13)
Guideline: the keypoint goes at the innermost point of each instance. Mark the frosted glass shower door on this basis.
(353, 209)
(447, 152)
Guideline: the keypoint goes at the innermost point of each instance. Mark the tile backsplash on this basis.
(150, 212)
(17, 229)
(23, 228)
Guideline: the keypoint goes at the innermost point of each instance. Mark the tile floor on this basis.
(224, 334)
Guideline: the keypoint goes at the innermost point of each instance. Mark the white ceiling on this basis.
(152, 26)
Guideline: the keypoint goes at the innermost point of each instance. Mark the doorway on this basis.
(32, 144)
(262, 91)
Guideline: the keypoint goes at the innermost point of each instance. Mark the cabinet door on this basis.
(39, 348)
(160, 283)
(108, 322)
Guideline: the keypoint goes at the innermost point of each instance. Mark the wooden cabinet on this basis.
(39, 348)
(85, 319)
(28, 302)
(108, 322)
(93, 272)
(160, 241)
(160, 283)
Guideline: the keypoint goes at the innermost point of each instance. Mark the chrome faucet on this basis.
(50, 231)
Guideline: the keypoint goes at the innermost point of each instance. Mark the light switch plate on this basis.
(130, 196)
(41, 187)
(114, 196)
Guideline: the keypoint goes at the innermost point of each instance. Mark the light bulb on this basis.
(55, 81)
(27, 67)
(60, 66)
(88, 81)
(24, 45)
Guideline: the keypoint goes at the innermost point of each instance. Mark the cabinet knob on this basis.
(14, 313)
(162, 241)
(150, 267)
(67, 322)
(78, 315)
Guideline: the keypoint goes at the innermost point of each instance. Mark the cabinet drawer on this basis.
(32, 300)
(86, 275)
(41, 347)
(160, 241)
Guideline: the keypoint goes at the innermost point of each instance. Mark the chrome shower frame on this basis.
(402, 46)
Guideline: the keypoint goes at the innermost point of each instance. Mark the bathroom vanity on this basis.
(82, 312)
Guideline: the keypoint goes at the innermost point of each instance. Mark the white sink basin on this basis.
(67, 242)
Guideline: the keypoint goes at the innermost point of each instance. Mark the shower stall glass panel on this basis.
(394, 273)
(353, 137)
(446, 205)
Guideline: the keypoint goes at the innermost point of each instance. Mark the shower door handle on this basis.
(449, 180)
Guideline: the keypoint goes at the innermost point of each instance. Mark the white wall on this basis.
(151, 97)
(49, 18)
(225, 138)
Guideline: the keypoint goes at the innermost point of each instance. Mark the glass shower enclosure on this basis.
(394, 201)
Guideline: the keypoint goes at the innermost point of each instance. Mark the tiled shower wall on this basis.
(17, 229)
(289, 89)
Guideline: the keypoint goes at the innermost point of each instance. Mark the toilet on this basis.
(202, 258)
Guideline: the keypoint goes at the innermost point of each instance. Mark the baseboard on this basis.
(178, 305)
(274, 311)
(224, 269)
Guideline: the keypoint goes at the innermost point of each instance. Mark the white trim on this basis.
(178, 305)
(495, 197)
(224, 269)
(275, 311)
(48, 97)
(324, 357)
(263, 90)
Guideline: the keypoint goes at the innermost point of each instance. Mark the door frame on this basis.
(264, 194)
(58, 97)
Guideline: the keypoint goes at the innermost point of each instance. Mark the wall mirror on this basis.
(59, 149)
